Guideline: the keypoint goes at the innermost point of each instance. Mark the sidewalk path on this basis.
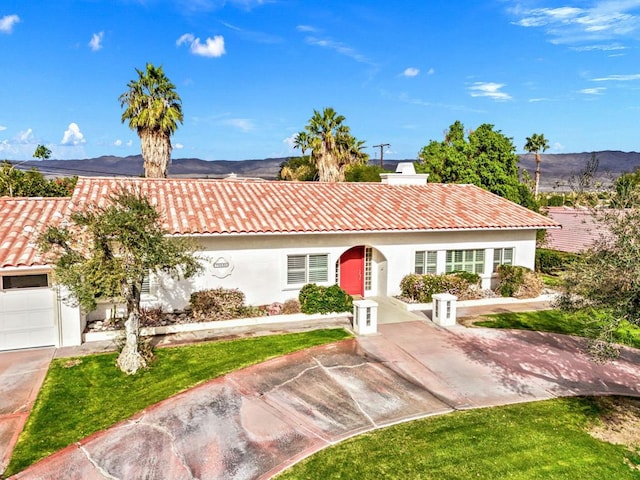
(257, 421)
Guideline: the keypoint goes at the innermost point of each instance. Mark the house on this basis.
(31, 311)
(268, 238)
(580, 229)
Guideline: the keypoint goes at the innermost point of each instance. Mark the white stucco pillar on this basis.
(365, 317)
(443, 310)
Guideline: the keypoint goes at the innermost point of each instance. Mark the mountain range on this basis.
(557, 169)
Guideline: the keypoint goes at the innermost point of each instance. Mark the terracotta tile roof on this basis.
(579, 232)
(21, 221)
(192, 206)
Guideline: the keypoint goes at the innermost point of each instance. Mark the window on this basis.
(307, 268)
(465, 260)
(502, 256)
(10, 282)
(368, 254)
(146, 285)
(426, 262)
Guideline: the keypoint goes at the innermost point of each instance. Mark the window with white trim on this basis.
(502, 256)
(465, 260)
(145, 288)
(311, 268)
(426, 262)
(368, 256)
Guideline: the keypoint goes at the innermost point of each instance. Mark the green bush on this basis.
(518, 282)
(551, 261)
(420, 288)
(317, 299)
(218, 304)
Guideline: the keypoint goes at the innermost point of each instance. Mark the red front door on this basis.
(352, 271)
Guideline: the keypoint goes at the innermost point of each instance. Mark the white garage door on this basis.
(27, 317)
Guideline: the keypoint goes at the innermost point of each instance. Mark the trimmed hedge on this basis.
(551, 261)
(318, 299)
(421, 288)
(221, 304)
(518, 282)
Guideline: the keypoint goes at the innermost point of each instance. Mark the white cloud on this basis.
(212, 47)
(178, 146)
(129, 143)
(411, 72)
(618, 78)
(7, 22)
(431, 71)
(2, 127)
(306, 28)
(604, 20)
(243, 124)
(118, 143)
(96, 41)
(290, 140)
(593, 91)
(489, 89)
(72, 136)
(26, 136)
(340, 48)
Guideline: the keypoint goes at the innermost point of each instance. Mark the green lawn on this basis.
(85, 395)
(584, 324)
(542, 440)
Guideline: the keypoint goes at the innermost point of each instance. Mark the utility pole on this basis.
(381, 147)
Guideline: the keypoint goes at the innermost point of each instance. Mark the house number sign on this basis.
(222, 267)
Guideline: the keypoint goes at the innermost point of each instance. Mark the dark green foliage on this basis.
(627, 190)
(364, 173)
(553, 261)
(318, 299)
(486, 158)
(31, 183)
(516, 281)
(301, 169)
(421, 288)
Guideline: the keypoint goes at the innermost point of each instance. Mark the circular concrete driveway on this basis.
(257, 421)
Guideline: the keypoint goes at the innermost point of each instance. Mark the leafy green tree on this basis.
(485, 158)
(332, 145)
(106, 252)
(15, 182)
(607, 278)
(364, 173)
(535, 143)
(627, 190)
(42, 152)
(301, 169)
(153, 109)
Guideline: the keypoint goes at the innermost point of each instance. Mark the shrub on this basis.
(518, 282)
(291, 306)
(551, 261)
(318, 299)
(217, 304)
(420, 288)
(151, 317)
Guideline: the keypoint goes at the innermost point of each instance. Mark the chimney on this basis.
(405, 175)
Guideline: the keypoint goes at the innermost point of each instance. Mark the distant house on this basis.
(580, 229)
(268, 238)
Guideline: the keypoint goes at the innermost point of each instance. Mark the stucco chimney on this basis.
(405, 175)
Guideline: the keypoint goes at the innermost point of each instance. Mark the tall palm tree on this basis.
(535, 143)
(301, 141)
(153, 109)
(332, 145)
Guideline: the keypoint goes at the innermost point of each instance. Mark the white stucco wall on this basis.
(258, 262)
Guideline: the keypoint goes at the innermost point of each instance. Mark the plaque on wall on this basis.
(222, 267)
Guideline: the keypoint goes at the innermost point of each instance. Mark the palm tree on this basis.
(301, 141)
(332, 145)
(535, 143)
(153, 109)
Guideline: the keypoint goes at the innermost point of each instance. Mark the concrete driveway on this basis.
(21, 375)
(255, 422)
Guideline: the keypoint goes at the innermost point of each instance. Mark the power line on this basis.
(381, 146)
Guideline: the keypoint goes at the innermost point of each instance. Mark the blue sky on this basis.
(251, 72)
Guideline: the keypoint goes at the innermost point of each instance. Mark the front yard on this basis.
(83, 395)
